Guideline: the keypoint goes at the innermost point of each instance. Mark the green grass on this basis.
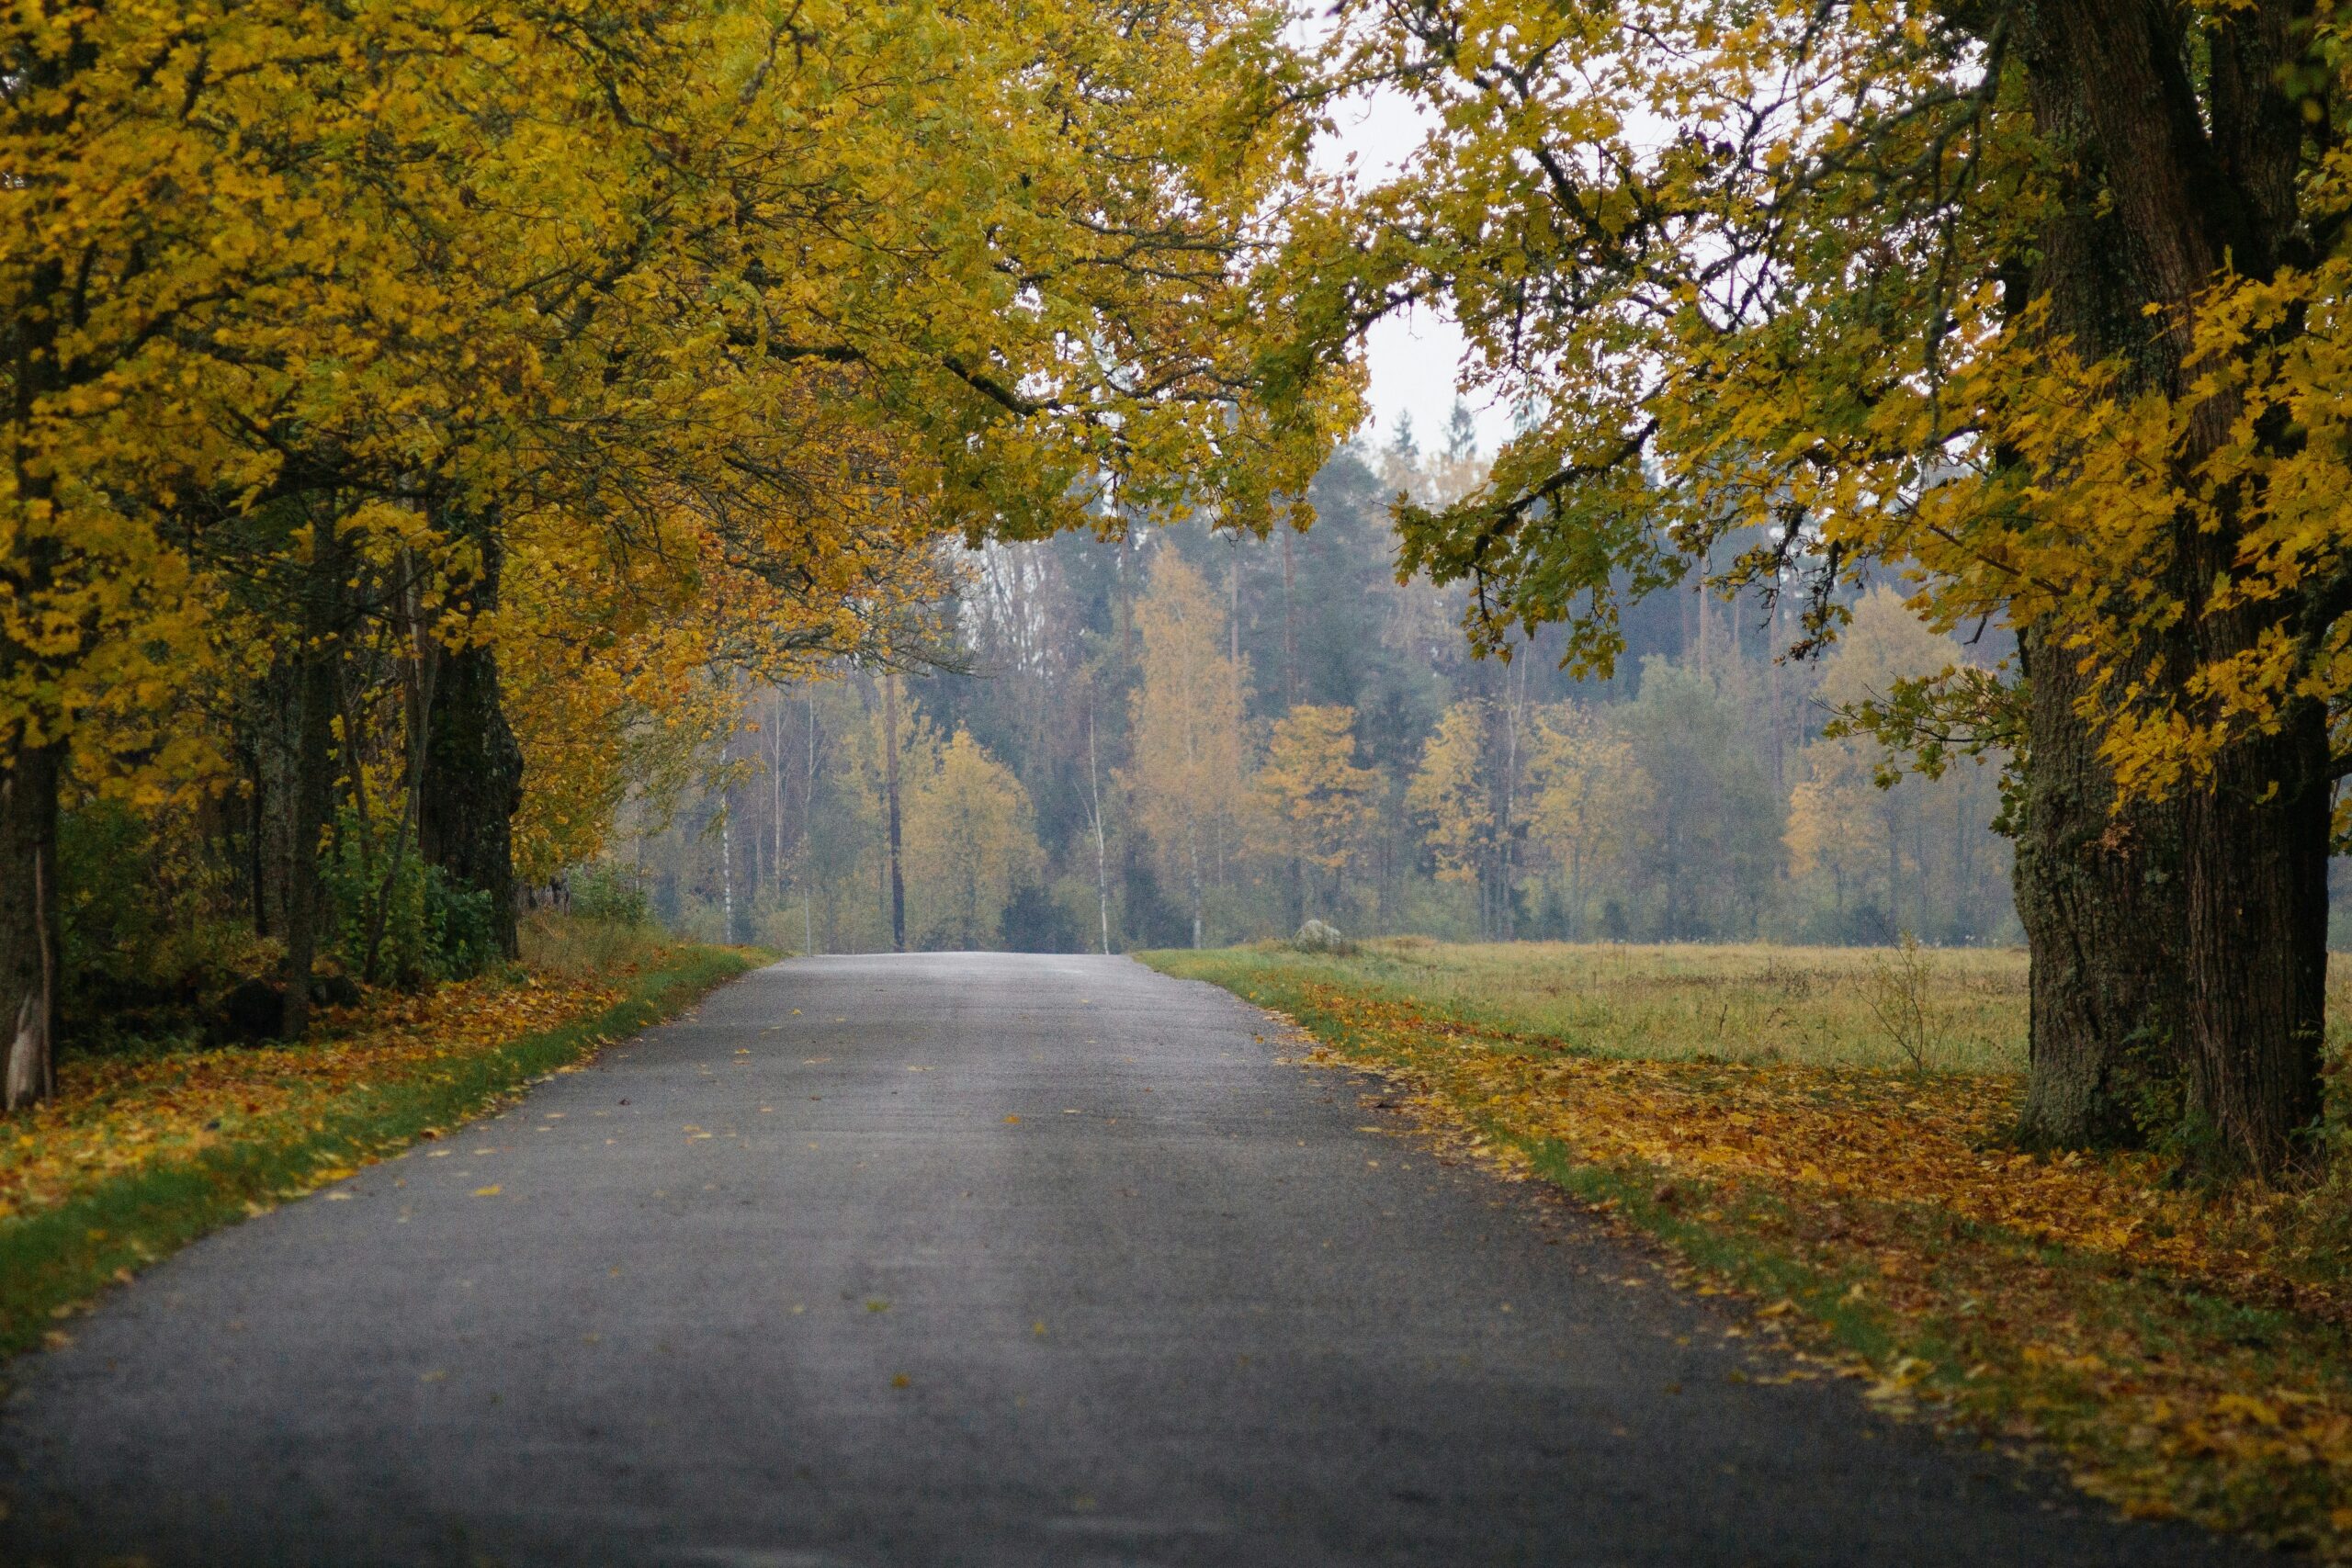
(1740, 1003)
(54, 1257)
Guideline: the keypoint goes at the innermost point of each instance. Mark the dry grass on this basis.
(571, 948)
(1749, 1003)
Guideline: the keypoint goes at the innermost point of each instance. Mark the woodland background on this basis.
(1273, 729)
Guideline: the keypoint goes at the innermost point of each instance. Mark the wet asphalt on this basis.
(973, 1259)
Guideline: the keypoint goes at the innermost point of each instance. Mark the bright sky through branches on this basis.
(1416, 357)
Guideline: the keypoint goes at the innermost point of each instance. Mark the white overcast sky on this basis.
(1415, 358)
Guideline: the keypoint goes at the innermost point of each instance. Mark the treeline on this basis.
(1189, 735)
(422, 423)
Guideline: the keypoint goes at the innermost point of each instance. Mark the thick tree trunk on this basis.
(29, 927)
(473, 785)
(29, 924)
(2102, 900)
(2257, 944)
(2193, 176)
(473, 766)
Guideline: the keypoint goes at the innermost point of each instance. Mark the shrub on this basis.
(145, 922)
(611, 892)
(397, 919)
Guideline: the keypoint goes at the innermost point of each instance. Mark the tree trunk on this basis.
(890, 793)
(2181, 175)
(313, 796)
(2257, 944)
(29, 927)
(473, 764)
(278, 712)
(29, 923)
(2101, 898)
(1102, 855)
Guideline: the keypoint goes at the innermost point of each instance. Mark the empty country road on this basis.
(961, 1258)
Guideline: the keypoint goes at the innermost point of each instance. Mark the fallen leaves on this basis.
(2184, 1349)
(117, 1115)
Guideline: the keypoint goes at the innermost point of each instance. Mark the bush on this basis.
(145, 923)
(611, 893)
(414, 923)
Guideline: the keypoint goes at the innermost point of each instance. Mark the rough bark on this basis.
(2185, 181)
(29, 927)
(472, 767)
(2101, 898)
(2257, 944)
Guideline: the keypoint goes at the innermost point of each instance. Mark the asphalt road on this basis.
(962, 1259)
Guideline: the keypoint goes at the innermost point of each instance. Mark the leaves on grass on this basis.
(2184, 1349)
(116, 1115)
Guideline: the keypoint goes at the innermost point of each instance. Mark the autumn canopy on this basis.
(416, 412)
(425, 420)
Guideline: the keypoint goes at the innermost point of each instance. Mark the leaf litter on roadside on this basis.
(117, 1115)
(2182, 1352)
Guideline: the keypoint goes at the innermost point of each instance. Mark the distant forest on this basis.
(1184, 736)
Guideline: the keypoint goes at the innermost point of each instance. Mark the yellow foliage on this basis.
(1453, 791)
(1184, 772)
(1585, 784)
(1314, 803)
(712, 322)
(970, 840)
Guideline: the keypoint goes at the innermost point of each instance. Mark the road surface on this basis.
(961, 1258)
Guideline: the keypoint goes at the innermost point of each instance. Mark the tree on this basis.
(1315, 805)
(2034, 302)
(1704, 837)
(971, 845)
(1584, 790)
(341, 344)
(1854, 806)
(1462, 791)
(1184, 769)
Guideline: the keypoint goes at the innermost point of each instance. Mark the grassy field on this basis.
(1823, 1131)
(1749, 1003)
(1746, 1002)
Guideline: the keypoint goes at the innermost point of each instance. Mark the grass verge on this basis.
(2180, 1353)
(281, 1121)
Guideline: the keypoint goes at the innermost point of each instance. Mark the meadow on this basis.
(1756, 1002)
